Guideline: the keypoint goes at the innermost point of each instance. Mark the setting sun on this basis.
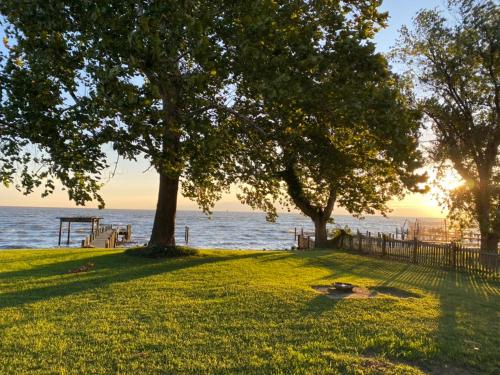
(450, 180)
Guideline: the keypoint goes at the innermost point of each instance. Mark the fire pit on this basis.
(335, 293)
(343, 287)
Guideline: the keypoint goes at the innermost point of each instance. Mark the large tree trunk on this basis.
(489, 250)
(489, 243)
(489, 239)
(320, 234)
(319, 215)
(163, 234)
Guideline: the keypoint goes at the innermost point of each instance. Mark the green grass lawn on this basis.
(236, 311)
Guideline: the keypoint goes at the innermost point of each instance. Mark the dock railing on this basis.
(87, 241)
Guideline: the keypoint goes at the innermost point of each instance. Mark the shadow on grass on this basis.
(469, 303)
(109, 269)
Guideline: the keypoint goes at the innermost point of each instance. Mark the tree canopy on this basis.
(36, 145)
(335, 126)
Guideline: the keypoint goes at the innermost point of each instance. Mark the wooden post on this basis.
(60, 231)
(129, 232)
(415, 247)
(69, 231)
(295, 234)
(454, 249)
(186, 234)
(383, 245)
(308, 242)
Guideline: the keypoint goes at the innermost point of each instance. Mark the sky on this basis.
(135, 188)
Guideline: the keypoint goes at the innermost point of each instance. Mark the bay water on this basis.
(31, 227)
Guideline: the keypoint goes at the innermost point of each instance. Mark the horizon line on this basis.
(214, 211)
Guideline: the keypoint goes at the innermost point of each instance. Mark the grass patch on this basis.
(239, 312)
(162, 252)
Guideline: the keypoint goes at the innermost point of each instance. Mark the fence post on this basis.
(454, 249)
(383, 245)
(449, 249)
(359, 243)
(415, 247)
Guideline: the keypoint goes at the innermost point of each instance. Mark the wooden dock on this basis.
(93, 220)
(107, 236)
(101, 235)
(105, 239)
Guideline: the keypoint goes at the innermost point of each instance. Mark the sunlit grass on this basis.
(238, 311)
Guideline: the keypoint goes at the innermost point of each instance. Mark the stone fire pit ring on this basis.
(342, 287)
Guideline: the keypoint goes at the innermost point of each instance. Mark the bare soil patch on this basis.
(330, 292)
(359, 292)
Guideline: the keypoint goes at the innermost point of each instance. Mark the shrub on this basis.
(162, 252)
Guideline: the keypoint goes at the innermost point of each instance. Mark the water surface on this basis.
(29, 227)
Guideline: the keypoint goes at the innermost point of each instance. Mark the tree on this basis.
(147, 76)
(457, 63)
(36, 148)
(334, 126)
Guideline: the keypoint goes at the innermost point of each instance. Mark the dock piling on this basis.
(60, 232)
(69, 232)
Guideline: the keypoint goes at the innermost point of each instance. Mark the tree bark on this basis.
(319, 215)
(320, 234)
(489, 249)
(489, 238)
(163, 234)
(489, 243)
